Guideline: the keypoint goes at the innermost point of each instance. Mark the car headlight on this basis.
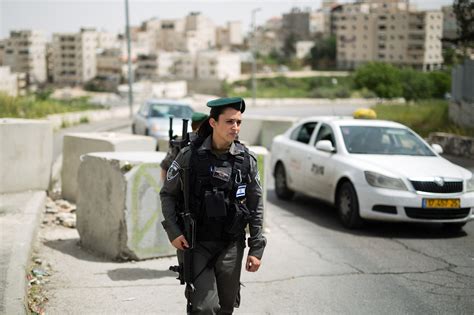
(470, 183)
(382, 181)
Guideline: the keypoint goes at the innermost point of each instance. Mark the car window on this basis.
(144, 109)
(326, 133)
(383, 140)
(303, 133)
(166, 110)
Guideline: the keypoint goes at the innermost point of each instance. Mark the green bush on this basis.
(32, 107)
(388, 81)
(424, 117)
(382, 79)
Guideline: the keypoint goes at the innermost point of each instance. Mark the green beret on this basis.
(235, 102)
(198, 117)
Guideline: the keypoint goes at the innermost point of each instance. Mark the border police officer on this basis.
(225, 198)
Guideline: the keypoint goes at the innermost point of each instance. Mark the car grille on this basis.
(437, 213)
(432, 187)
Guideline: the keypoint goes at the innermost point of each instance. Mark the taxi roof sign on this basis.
(364, 113)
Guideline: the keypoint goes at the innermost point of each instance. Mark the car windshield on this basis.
(166, 110)
(383, 140)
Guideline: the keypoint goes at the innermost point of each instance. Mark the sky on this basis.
(109, 15)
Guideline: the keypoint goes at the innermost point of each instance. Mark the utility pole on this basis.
(129, 58)
(254, 57)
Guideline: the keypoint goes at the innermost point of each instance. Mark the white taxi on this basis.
(371, 169)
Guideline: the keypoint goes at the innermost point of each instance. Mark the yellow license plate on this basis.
(441, 203)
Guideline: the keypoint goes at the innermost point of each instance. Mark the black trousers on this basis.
(217, 266)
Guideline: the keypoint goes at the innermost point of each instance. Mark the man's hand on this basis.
(253, 263)
(180, 242)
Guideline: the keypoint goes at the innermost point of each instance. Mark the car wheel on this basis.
(281, 187)
(454, 227)
(133, 129)
(348, 206)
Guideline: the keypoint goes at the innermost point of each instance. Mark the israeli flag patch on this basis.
(240, 191)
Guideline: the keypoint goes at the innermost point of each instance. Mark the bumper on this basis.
(160, 135)
(409, 207)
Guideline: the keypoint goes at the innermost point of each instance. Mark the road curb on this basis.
(24, 227)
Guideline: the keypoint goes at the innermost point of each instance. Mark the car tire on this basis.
(454, 227)
(348, 206)
(281, 186)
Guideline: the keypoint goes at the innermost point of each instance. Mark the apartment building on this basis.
(184, 66)
(387, 31)
(25, 52)
(296, 23)
(268, 37)
(450, 27)
(218, 65)
(74, 57)
(230, 35)
(2, 50)
(109, 63)
(8, 81)
(202, 28)
(164, 65)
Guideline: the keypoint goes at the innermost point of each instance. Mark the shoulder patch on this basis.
(173, 171)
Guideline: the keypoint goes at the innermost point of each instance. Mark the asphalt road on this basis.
(311, 266)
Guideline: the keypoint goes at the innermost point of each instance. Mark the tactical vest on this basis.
(218, 193)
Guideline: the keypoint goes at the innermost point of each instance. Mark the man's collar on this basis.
(207, 146)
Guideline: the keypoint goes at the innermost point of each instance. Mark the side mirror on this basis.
(325, 145)
(437, 148)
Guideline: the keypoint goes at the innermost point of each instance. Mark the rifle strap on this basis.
(212, 261)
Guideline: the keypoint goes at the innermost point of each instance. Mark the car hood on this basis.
(411, 166)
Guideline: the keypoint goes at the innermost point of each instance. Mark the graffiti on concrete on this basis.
(146, 236)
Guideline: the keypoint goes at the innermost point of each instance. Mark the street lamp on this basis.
(254, 56)
(129, 58)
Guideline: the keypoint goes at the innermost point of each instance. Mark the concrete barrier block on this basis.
(272, 127)
(250, 131)
(77, 144)
(119, 210)
(26, 153)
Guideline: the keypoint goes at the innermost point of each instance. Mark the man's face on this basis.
(227, 127)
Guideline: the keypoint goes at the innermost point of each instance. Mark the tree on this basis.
(289, 46)
(464, 11)
(380, 78)
(323, 53)
(415, 84)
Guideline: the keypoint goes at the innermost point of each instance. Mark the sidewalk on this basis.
(20, 216)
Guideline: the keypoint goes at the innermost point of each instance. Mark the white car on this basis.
(371, 169)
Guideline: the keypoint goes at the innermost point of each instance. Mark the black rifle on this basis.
(185, 268)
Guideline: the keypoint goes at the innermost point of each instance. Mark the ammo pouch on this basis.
(240, 219)
(214, 202)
